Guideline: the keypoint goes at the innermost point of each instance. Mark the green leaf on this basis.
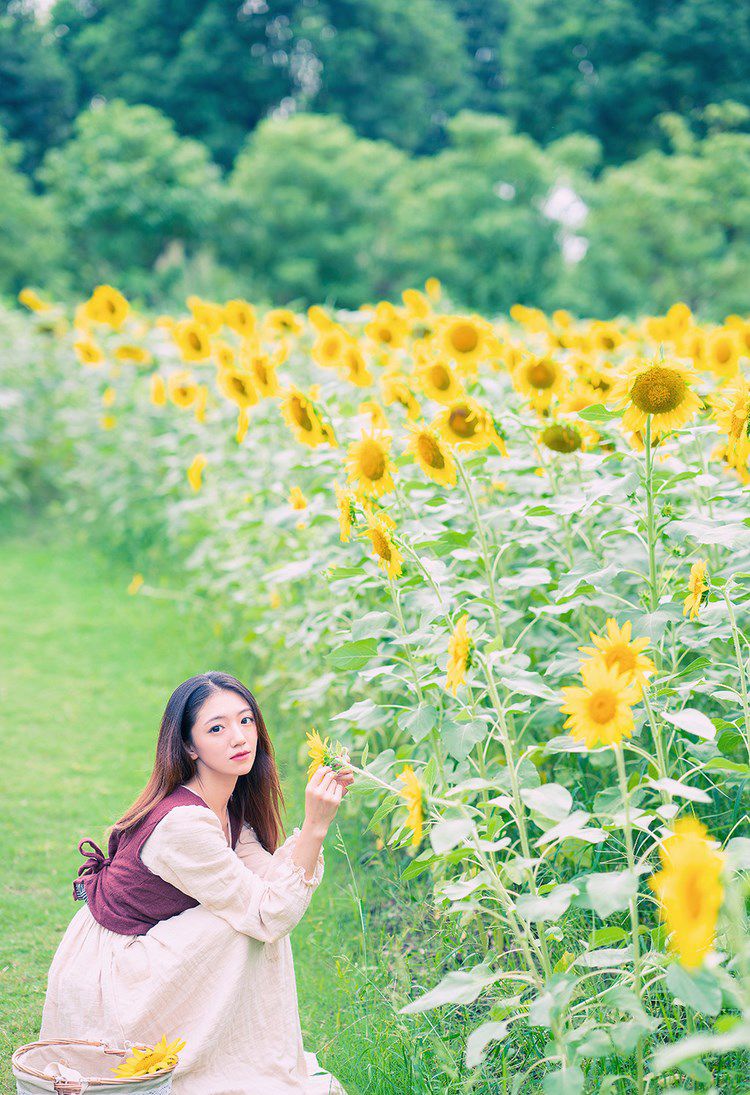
(693, 721)
(458, 987)
(480, 1038)
(419, 722)
(449, 832)
(418, 866)
(697, 989)
(610, 892)
(371, 623)
(460, 738)
(354, 655)
(550, 800)
(569, 1081)
(597, 412)
(548, 909)
(602, 936)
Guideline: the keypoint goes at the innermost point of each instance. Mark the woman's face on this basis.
(225, 726)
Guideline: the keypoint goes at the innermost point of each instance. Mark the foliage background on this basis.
(342, 150)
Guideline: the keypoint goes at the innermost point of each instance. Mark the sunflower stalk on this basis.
(648, 483)
(661, 759)
(483, 545)
(516, 795)
(633, 903)
(740, 665)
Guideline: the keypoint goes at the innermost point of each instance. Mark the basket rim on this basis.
(112, 1080)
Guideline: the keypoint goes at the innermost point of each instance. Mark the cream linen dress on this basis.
(219, 975)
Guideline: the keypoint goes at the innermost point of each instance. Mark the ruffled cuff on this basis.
(297, 870)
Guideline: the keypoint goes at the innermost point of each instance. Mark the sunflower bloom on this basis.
(387, 328)
(661, 390)
(144, 1062)
(240, 317)
(460, 647)
(622, 653)
(262, 369)
(195, 471)
(157, 390)
(243, 423)
(30, 299)
(130, 352)
(384, 547)
(540, 378)
(282, 321)
(412, 792)
(698, 587)
(432, 454)
(396, 390)
(465, 424)
(438, 381)
(237, 386)
(88, 352)
(135, 583)
(345, 500)
(723, 351)
(300, 414)
(600, 711)
(107, 305)
(206, 314)
(297, 499)
(192, 340)
(182, 388)
(689, 890)
(354, 368)
(317, 750)
(369, 464)
(330, 347)
(731, 407)
(465, 340)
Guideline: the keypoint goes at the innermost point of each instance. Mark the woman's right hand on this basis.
(323, 796)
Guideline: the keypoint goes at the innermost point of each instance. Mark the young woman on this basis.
(184, 929)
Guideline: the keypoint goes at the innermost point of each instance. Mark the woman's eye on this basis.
(215, 728)
(249, 717)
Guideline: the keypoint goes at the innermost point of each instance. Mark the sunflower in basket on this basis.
(143, 1062)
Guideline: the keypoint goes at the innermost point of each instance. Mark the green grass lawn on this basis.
(86, 672)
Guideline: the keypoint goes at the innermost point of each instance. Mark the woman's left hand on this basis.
(345, 777)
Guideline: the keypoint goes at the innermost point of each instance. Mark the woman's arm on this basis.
(188, 849)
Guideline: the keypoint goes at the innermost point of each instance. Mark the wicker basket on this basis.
(81, 1067)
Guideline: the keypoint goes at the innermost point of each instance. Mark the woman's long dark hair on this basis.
(257, 794)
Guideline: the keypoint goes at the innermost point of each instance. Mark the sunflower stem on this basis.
(405, 635)
(483, 544)
(649, 487)
(661, 759)
(633, 903)
(517, 801)
(740, 665)
(434, 733)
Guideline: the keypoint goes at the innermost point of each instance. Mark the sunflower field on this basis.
(502, 566)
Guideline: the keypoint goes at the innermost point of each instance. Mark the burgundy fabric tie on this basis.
(95, 860)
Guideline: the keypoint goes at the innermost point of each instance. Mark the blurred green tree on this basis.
(217, 67)
(307, 211)
(37, 100)
(128, 189)
(668, 227)
(611, 69)
(473, 216)
(31, 239)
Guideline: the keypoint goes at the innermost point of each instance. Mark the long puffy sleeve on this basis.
(259, 894)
